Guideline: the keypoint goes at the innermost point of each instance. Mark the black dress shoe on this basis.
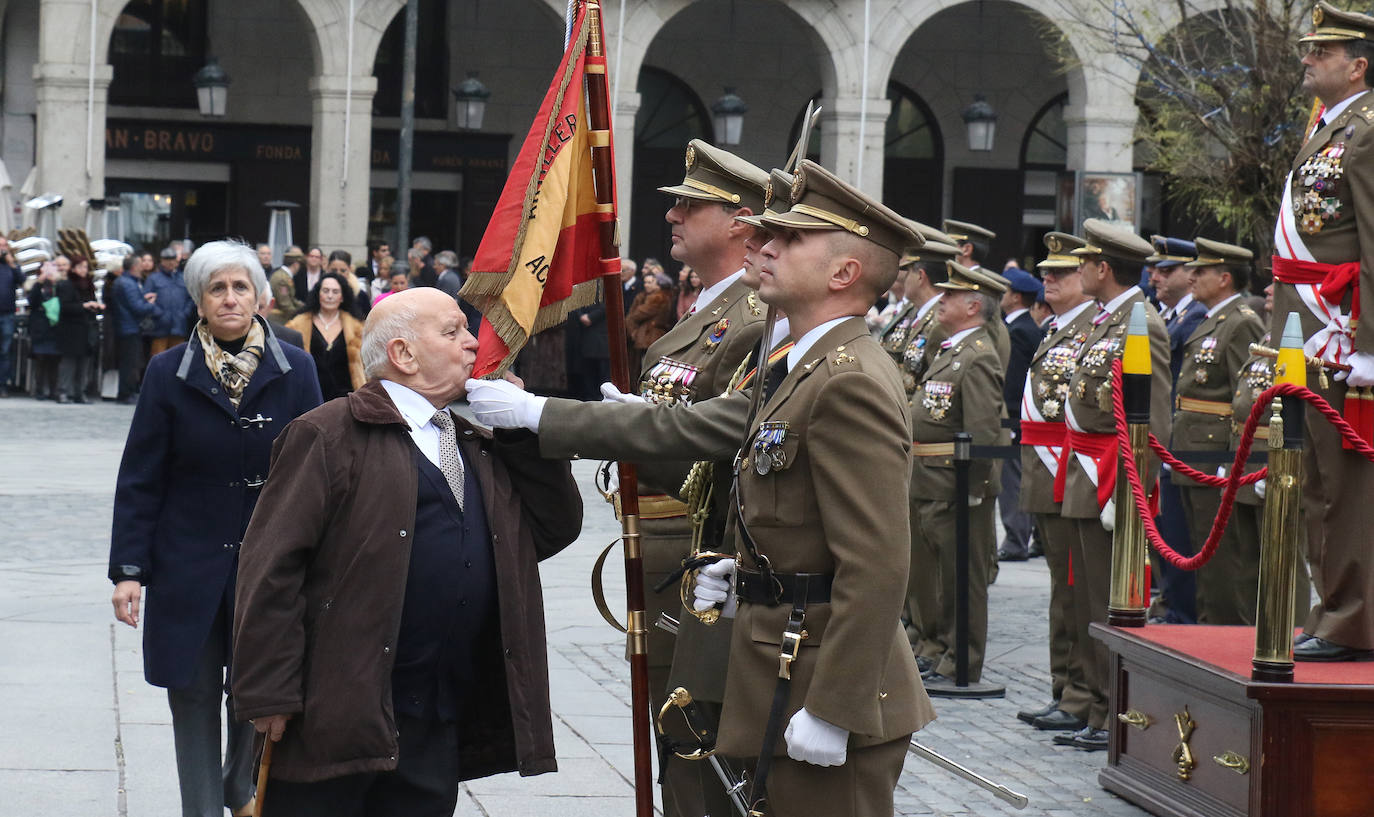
(925, 665)
(935, 679)
(1319, 649)
(63, 399)
(1058, 721)
(1004, 555)
(1036, 550)
(1064, 738)
(1029, 715)
(1090, 739)
(1302, 638)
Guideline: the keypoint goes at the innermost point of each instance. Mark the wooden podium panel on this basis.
(1294, 750)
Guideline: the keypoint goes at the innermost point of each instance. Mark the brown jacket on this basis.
(353, 341)
(650, 318)
(322, 576)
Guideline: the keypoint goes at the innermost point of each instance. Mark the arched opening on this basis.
(431, 63)
(672, 116)
(946, 62)
(156, 47)
(1048, 188)
(913, 154)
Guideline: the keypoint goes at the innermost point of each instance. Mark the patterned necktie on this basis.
(450, 462)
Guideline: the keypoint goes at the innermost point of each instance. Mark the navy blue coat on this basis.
(128, 306)
(1025, 338)
(174, 303)
(188, 482)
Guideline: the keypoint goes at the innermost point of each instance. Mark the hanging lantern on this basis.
(729, 112)
(471, 97)
(981, 120)
(212, 89)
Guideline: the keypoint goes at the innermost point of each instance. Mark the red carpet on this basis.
(1231, 648)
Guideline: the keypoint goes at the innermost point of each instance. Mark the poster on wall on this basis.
(1112, 197)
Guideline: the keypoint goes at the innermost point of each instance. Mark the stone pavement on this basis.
(86, 736)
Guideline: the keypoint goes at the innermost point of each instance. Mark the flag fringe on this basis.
(513, 335)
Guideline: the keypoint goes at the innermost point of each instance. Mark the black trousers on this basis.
(130, 363)
(424, 782)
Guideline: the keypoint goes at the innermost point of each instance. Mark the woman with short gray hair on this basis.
(187, 486)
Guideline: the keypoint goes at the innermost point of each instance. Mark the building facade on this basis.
(96, 103)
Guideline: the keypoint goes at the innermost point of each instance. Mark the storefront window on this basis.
(156, 48)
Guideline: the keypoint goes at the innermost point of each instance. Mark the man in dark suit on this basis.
(309, 274)
(1025, 335)
(1176, 603)
(588, 351)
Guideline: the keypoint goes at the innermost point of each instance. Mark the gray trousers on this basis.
(1016, 522)
(208, 783)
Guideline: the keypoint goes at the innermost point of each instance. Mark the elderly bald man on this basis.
(390, 614)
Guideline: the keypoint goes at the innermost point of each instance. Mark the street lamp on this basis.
(471, 96)
(981, 120)
(212, 88)
(729, 112)
(279, 228)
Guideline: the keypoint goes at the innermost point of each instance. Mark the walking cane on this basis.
(263, 766)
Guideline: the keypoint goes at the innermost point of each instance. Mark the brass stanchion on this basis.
(1273, 659)
(1129, 594)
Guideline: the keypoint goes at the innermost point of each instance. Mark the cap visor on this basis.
(1325, 37)
(1047, 264)
(752, 221)
(792, 220)
(690, 193)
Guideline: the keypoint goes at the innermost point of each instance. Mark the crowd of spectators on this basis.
(314, 301)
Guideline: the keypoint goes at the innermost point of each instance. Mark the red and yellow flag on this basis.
(541, 254)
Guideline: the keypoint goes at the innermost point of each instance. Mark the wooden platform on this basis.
(1308, 746)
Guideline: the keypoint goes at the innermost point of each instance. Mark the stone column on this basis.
(1101, 120)
(840, 144)
(70, 140)
(339, 199)
(626, 109)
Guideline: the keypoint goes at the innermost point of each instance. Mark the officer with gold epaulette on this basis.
(960, 391)
(974, 243)
(1110, 270)
(1042, 439)
(1324, 269)
(822, 686)
(929, 268)
(696, 360)
(1212, 359)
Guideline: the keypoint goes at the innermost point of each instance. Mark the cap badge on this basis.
(1053, 244)
(798, 186)
(1317, 16)
(691, 158)
(768, 194)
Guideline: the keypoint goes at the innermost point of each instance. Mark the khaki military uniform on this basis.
(1333, 224)
(894, 335)
(1212, 359)
(1042, 419)
(1089, 411)
(960, 391)
(1245, 529)
(829, 501)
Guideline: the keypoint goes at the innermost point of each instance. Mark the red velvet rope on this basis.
(1231, 481)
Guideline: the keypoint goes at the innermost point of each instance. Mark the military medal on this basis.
(669, 382)
(939, 396)
(768, 453)
(717, 332)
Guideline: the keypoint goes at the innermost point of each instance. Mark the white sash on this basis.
(1048, 454)
(1333, 342)
(1089, 464)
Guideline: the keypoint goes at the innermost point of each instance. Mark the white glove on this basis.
(1221, 471)
(715, 585)
(974, 501)
(502, 404)
(1259, 489)
(1108, 515)
(1361, 370)
(611, 394)
(812, 740)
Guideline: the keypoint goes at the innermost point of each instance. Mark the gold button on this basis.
(882, 694)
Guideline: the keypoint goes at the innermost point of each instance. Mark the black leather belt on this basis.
(756, 588)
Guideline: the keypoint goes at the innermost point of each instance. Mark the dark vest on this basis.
(450, 602)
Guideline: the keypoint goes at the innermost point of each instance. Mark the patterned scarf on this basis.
(233, 371)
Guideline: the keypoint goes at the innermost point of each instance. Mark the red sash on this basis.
(1042, 432)
(1332, 280)
(1102, 448)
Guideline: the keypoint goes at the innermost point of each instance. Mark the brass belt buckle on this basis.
(791, 646)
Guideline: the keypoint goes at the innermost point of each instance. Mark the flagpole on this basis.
(598, 111)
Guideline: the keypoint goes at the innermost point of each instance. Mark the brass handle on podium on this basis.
(1136, 718)
(1239, 764)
